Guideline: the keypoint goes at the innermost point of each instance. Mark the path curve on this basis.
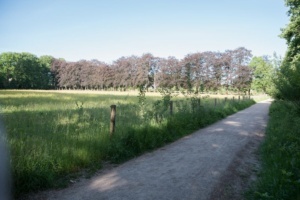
(189, 168)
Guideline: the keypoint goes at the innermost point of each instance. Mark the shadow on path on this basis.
(189, 168)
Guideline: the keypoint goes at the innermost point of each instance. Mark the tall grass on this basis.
(53, 135)
(280, 152)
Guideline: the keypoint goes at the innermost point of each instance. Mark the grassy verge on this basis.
(280, 152)
(54, 135)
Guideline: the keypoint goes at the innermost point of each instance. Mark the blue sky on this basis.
(108, 29)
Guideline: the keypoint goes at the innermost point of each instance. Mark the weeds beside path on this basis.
(279, 177)
(55, 137)
(190, 168)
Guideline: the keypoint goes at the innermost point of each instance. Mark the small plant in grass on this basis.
(167, 95)
(160, 107)
(79, 106)
(142, 100)
(79, 109)
(195, 101)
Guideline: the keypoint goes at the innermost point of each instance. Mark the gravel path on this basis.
(190, 168)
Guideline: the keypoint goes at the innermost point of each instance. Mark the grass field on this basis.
(54, 135)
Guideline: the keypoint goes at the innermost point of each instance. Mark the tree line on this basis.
(24, 71)
(205, 71)
(287, 79)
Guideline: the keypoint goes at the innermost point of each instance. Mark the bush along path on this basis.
(190, 168)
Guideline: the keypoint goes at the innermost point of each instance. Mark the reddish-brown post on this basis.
(112, 119)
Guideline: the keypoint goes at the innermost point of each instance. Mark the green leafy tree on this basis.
(23, 71)
(262, 74)
(48, 77)
(8, 63)
(46, 61)
(291, 32)
(288, 81)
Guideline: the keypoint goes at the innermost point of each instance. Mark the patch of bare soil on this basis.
(241, 173)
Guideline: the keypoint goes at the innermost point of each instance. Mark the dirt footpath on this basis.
(216, 162)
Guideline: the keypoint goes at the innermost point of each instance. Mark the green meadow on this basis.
(53, 137)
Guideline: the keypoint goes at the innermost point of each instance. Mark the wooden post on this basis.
(112, 119)
(225, 100)
(215, 102)
(171, 107)
(199, 102)
(233, 98)
(239, 98)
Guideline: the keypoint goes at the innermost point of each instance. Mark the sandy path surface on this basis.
(198, 166)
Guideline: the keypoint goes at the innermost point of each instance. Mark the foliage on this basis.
(280, 174)
(142, 101)
(206, 71)
(287, 83)
(291, 33)
(160, 108)
(53, 135)
(263, 72)
(24, 71)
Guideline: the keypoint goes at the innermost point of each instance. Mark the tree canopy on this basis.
(263, 73)
(203, 71)
(288, 77)
(23, 71)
